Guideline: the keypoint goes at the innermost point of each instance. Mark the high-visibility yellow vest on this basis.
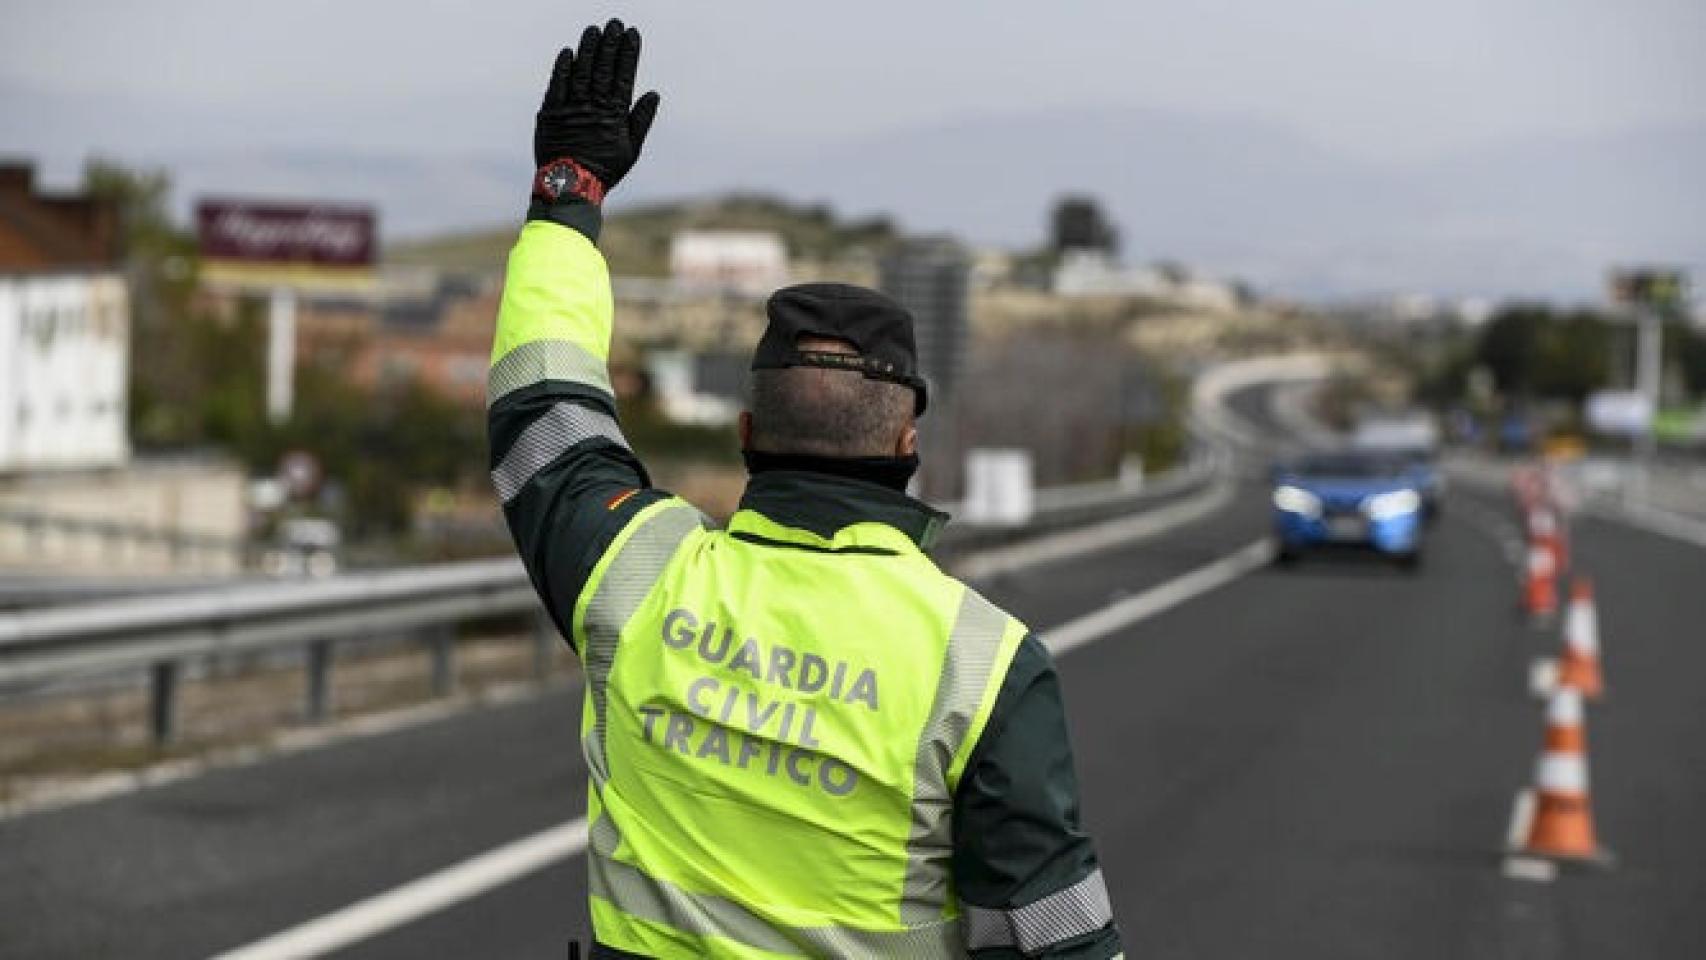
(775, 724)
(775, 721)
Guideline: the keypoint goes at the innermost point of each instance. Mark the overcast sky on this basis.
(1377, 82)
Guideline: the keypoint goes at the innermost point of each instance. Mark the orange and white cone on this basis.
(1563, 819)
(1579, 667)
(1526, 485)
(1545, 529)
(1540, 583)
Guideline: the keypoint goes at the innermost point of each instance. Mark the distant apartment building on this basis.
(1083, 273)
(436, 331)
(64, 330)
(751, 262)
(72, 500)
(705, 388)
(932, 279)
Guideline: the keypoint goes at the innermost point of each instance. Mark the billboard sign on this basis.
(1659, 289)
(273, 243)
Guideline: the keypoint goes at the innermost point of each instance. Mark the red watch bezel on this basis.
(584, 186)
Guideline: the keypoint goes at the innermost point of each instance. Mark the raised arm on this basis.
(561, 467)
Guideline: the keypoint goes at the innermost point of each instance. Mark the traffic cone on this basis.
(1563, 818)
(1579, 667)
(1526, 486)
(1540, 588)
(1545, 529)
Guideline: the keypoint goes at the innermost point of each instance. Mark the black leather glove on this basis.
(589, 117)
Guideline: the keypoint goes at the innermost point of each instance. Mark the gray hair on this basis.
(827, 413)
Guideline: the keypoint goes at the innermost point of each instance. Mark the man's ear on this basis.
(907, 445)
(746, 429)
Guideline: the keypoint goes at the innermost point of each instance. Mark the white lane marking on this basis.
(1503, 531)
(1101, 536)
(478, 874)
(1533, 869)
(429, 894)
(1123, 613)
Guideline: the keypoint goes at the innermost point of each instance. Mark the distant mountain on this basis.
(1229, 194)
(1251, 199)
(636, 237)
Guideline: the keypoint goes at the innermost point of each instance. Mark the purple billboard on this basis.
(266, 232)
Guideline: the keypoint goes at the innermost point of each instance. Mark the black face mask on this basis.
(891, 472)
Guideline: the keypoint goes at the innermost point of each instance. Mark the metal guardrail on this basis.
(42, 647)
(162, 633)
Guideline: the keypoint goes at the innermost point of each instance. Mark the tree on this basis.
(1685, 347)
(1079, 224)
(1535, 351)
(172, 348)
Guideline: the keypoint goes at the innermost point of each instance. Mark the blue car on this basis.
(1348, 499)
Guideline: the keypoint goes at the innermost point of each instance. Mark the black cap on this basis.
(877, 327)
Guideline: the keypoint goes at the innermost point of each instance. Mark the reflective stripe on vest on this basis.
(716, 918)
(540, 360)
(556, 432)
(628, 571)
(1071, 912)
(972, 651)
(867, 873)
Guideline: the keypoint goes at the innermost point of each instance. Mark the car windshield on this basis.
(1347, 465)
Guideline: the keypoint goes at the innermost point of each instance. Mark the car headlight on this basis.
(1297, 500)
(1394, 503)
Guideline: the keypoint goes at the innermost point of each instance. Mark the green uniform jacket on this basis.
(570, 485)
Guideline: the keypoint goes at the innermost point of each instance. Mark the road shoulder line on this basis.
(1123, 613)
(1122, 531)
(483, 872)
(418, 898)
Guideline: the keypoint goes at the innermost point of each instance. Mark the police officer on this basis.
(802, 737)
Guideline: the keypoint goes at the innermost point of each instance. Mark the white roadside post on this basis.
(1000, 487)
(281, 354)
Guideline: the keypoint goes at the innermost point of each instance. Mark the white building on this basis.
(64, 370)
(1092, 273)
(752, 262)
(676, 376)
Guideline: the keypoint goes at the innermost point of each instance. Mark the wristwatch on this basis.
(565, 180)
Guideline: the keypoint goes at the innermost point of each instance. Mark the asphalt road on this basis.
(1317, 762)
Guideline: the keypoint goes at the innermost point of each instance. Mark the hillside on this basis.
(636, 241)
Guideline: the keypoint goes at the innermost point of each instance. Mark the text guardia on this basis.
(736, 713)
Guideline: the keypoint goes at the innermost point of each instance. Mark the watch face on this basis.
(565, 178)
(556, 180)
